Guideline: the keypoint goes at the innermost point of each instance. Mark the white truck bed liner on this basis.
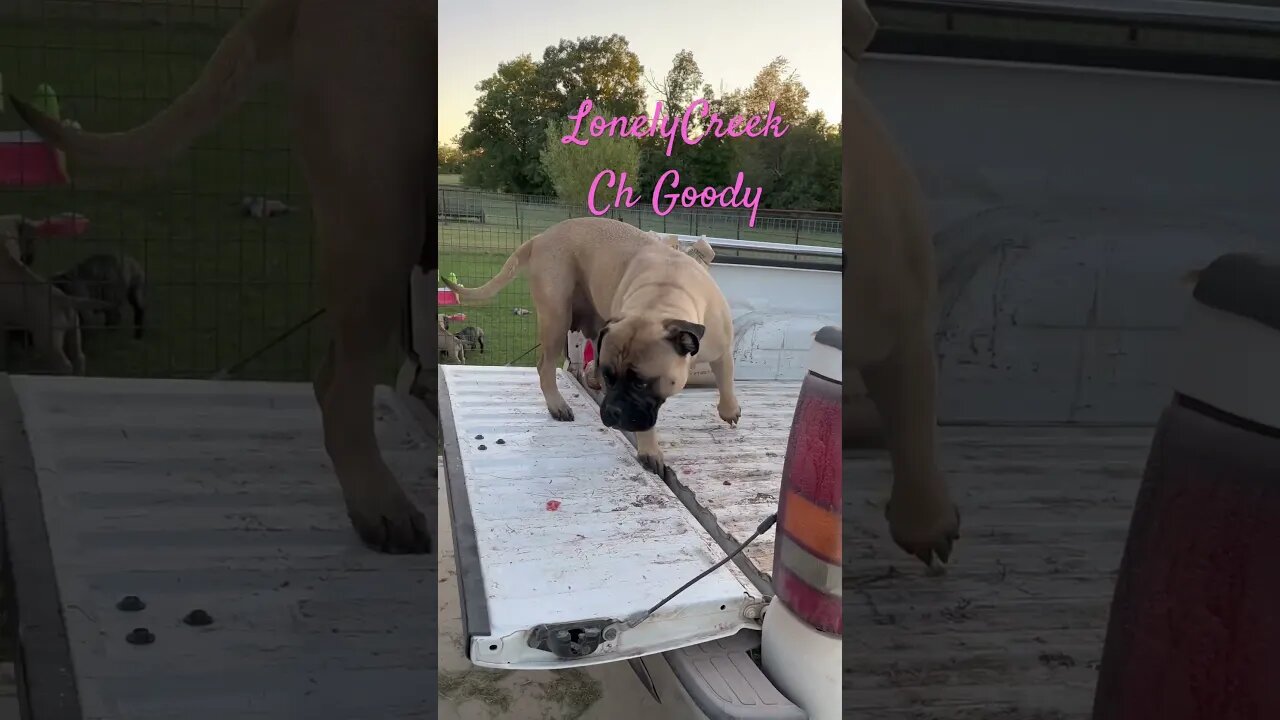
(729, 477)
(617, 542)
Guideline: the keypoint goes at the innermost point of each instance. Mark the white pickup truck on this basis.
(564, 541)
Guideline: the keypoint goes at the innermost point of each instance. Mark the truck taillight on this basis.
(807, 551)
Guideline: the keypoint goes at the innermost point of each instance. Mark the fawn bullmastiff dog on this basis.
(654, 312)
(890, 286)
(362, 81)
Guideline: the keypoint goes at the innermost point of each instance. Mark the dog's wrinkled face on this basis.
(642, 361)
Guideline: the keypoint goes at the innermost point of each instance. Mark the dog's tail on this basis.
(509, 270)
(263, 37)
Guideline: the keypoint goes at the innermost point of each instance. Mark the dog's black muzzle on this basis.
(629, 411)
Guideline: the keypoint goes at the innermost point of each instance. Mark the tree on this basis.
(677, 89)
(448, 158)
(800, 170)
(780, 84)
(601, 68)
(498, 131)
(572, 168)
(508, 126)
(712, 160)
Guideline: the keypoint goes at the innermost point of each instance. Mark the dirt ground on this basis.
(608, 692)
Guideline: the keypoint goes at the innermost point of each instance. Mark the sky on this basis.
(731, 40)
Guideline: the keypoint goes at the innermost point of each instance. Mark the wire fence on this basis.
(479, 230)
(222, 236)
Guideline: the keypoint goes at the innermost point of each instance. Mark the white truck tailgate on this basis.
(561, 534)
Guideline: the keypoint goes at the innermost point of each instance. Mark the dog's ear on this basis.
(684, 335)
(604, 330)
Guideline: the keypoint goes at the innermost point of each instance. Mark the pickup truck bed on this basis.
(1015, 627)
(211, 495)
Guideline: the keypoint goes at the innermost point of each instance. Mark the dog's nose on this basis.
(610, 416)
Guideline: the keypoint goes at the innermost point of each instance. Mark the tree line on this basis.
(512, 140)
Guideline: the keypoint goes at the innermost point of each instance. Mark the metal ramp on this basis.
(557, 525)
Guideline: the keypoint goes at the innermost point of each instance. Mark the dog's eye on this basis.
(608, 375)
(639, 383)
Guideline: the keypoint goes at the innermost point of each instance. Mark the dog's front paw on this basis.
(388, 522)
(653, 463)
(561, 411)
(730, 412)
(924, 527)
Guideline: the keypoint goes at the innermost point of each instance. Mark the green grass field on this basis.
(219, 285)
(508, 337)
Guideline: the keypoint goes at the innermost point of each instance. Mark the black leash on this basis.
(238, 366)
(526, 352)
(764, 526)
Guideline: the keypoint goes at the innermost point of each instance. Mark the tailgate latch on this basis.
(575, 639)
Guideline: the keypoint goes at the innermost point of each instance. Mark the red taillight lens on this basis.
(807, 553)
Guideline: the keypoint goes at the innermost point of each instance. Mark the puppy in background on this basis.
(29, 302)
(19, 237)
(472, 337)
(451, 348)
(111, 279)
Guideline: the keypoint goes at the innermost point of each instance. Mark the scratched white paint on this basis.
(733, 473)
(618, 542)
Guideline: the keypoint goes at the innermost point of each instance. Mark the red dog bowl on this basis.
(63, 225)
(26, 161)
